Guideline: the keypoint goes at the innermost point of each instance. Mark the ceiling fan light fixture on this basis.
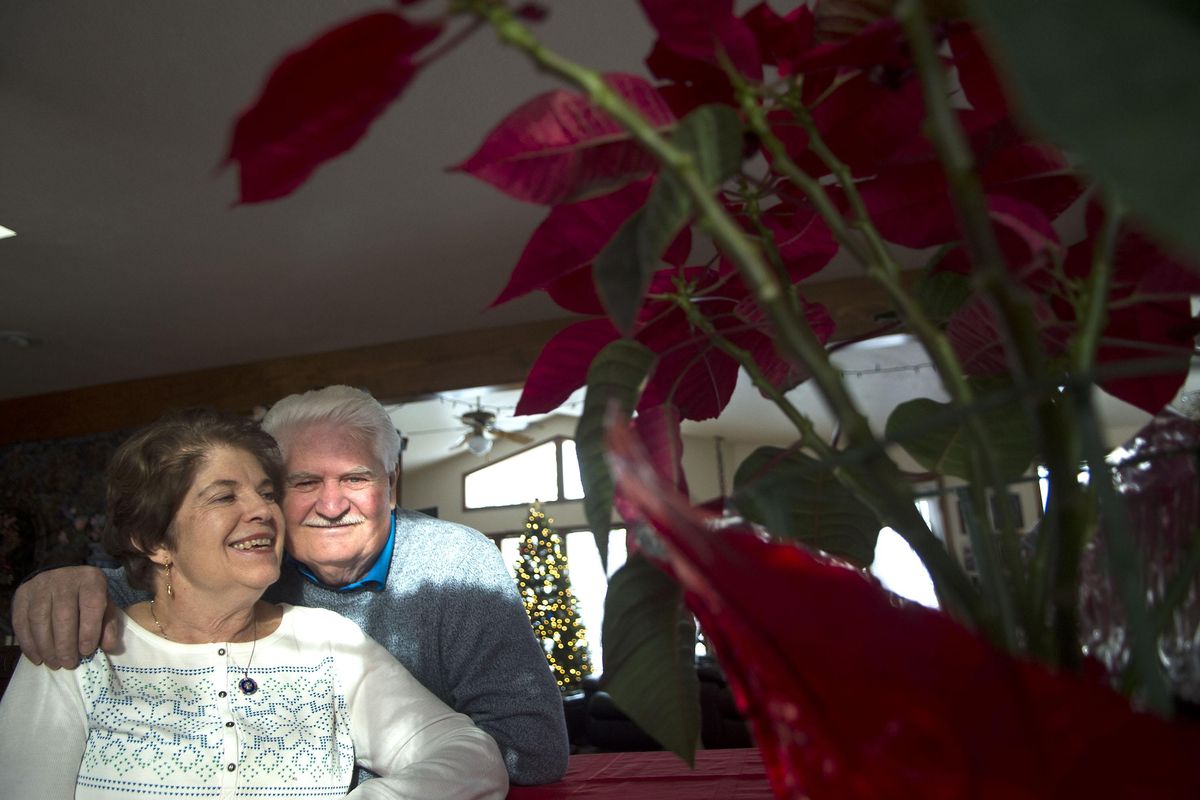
(479, 443)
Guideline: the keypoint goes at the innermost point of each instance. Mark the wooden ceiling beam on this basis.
(392, 372)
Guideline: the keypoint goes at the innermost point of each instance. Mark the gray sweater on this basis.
(450, 613)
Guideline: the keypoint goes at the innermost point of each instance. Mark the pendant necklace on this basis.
(246, 685)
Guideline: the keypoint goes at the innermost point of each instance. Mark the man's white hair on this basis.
(361, 414)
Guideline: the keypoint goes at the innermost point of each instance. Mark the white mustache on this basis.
(322, 522)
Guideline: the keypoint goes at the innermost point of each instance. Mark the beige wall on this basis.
(440, 484)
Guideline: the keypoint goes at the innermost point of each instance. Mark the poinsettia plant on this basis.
(690, 207)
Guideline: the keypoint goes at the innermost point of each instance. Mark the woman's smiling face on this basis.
(228, 532)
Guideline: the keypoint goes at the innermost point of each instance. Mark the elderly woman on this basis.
(213, 692)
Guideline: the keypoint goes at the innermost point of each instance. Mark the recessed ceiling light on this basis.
(6, 232)
(19, 339)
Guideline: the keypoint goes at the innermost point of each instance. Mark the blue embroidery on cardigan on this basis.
(164, 729)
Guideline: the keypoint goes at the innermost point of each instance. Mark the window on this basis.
(899, 568)
(589, 582)
(572, 483)
(548, 471)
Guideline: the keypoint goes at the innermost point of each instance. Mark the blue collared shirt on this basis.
(376, 577)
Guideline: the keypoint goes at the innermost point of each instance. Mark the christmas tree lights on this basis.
(545, 586)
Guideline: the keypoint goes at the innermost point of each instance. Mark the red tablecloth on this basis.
(719, 775)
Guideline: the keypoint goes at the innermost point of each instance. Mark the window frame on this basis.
(560, 483)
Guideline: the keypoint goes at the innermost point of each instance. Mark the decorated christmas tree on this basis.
(545, 587)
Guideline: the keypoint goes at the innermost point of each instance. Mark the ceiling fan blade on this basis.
(460, 442)
(519, 438)
(456, 429)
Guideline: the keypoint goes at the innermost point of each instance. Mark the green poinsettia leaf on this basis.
(798, 497)
(615, 376)
(712, 135)
(936, 437)
(941, 293)
(1114, 83)
(649, 656)
(624, 267)
(601, 538)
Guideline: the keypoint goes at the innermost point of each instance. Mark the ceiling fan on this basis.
(478, 429)
(482, 432)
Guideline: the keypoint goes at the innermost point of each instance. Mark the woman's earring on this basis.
(170, 588)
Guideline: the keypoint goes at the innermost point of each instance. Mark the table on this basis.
(736, 774)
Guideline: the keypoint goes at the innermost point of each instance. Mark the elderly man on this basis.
(434, 593)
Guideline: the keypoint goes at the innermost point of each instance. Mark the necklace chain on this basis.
(246, 684)
(154, 614)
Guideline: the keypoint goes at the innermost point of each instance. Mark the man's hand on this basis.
(61, 614)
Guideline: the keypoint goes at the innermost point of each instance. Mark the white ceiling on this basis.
(131, 261)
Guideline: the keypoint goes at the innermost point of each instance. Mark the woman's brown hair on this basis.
(151, 472)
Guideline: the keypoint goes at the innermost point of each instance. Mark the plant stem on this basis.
(1123, 558)
(1068, 520)
(757, 122)
(1002, 569)
(1057, 430)
(1059, 552)
(948, 578)
(1094, 314)
(767, 238)
(1004, 572)
(1017, 324)
(803, 425)
(881, 484)
(1124, 566)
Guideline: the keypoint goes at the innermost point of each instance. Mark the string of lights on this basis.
(499, 409)
(878, 370)
(575, 407)
(544, 584)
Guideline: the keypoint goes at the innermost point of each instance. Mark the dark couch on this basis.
(595, 723)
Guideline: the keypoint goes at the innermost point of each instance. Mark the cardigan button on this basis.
(221, 652)
(228, 724)
(221, 693)
(231, 767)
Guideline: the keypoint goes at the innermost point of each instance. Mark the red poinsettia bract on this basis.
(559, 147)
(692, 373)
(701, 29)
(320, 100)
(568, 241)
(852, 695)
(1150, 320)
